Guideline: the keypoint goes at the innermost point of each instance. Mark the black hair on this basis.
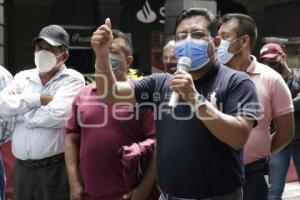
(193, 12)
(246, 26)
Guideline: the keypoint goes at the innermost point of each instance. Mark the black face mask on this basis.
(170, 67)
(277, 66)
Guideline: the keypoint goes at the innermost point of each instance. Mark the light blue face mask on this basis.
(115, 63)
(223, 55)
(195, 49)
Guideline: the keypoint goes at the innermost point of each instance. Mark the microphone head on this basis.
(184, 63)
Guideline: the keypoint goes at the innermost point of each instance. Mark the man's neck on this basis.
(46, 77)
(198, 74)
(240, 64)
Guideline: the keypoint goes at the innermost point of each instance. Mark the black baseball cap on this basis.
(55, 35)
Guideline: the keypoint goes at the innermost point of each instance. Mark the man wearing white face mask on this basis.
(238, 33)
(41, 100)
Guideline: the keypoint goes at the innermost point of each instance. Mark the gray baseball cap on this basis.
(55, 35)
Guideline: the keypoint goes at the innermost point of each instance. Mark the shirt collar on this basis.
(253, 67)
(36, 77)
(211, 73)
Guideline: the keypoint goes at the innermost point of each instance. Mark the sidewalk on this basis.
(292, 191)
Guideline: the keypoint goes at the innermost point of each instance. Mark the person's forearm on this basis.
(104, 78)
(231, 130)
(284, 132)
(12, 105)
(150, 175)
(279, 141)
(72, 163)
(55, 113)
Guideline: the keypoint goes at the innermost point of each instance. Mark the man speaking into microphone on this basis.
(198, 157)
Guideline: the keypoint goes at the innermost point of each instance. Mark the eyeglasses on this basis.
(195, 35)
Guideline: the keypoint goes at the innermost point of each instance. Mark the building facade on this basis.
(150, 23)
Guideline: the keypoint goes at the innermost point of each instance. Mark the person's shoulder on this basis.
(87, 90)
(74, 73)
(267, 72)
(4, 71)
(88, 87)
(27, 73)
(160, 76)
(155, 78)
(233, 74)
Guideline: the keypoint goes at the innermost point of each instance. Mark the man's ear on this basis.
(65, 56)
(246, 41)
(217, 41)
(284, 56)
(129, 60)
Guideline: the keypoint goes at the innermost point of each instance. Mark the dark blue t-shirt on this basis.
(191, 161)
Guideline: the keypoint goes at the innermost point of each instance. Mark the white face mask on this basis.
(45, 60)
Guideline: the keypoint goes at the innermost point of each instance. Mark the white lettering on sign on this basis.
(162, 13)
(78, 38)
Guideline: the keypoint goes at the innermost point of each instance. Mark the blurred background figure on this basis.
(6, 128)
(169, 57)
(274, 56)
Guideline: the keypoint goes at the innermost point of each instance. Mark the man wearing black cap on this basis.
(41, 99)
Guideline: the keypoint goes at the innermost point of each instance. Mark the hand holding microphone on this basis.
(182, 83)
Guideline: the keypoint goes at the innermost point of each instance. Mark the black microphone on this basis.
(184, 63)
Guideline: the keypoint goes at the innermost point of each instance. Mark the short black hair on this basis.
(127, 48)
(193, 12)
(246, 26)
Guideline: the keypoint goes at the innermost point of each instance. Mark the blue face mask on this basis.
(223, 55)
(196, 50)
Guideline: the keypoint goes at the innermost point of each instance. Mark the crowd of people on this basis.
(117, 138)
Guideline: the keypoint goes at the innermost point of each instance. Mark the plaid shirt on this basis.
(7, 125)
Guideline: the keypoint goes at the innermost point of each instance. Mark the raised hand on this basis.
(102, 39)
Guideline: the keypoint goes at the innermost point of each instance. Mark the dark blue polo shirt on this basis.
(191, 161)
